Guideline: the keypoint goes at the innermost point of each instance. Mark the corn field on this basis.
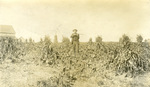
(94, 59)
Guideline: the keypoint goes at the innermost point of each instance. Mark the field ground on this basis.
(27, 74)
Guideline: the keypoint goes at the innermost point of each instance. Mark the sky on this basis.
(109, 19)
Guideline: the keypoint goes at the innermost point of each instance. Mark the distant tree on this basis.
(33, 41)
(98, 42)
(90, 41)
(139, 38)
(26, 40)
(55, 39)
(99, 39)
(125, 41)
(66, 41)
(146, 44)
(47, 40)
(30, 40)
(41, 40)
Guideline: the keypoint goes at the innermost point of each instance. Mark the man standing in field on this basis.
(75, 41)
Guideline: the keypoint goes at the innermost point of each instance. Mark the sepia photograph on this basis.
(74, 43)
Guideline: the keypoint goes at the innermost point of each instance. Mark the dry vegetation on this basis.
(99, 64)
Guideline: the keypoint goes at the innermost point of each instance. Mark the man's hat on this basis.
(75, 30)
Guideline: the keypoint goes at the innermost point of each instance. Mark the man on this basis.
(75, 41)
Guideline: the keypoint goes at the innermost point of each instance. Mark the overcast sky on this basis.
(107, 18)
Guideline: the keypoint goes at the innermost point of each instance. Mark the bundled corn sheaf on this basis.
(11, 49)
(132, 58)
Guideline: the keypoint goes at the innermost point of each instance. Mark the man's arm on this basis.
(71, 39)
(71, 36)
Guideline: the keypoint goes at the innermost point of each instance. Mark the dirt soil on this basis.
(27, 74)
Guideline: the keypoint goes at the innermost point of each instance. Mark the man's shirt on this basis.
(75, 37)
